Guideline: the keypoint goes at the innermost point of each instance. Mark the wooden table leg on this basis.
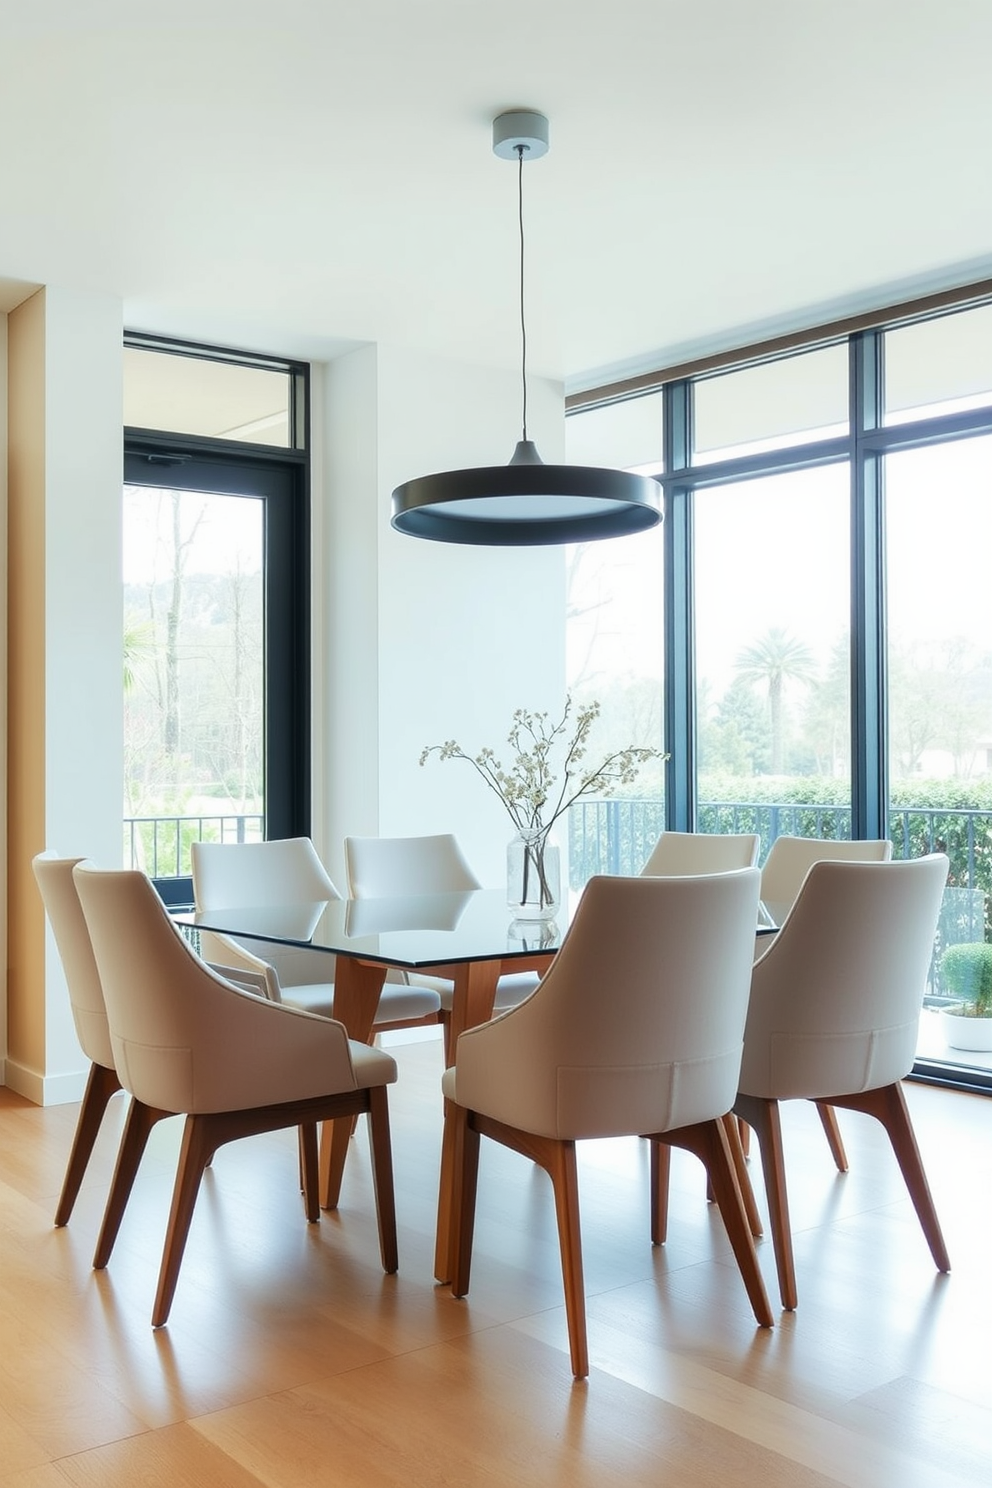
(357, 985)
(472, 1003)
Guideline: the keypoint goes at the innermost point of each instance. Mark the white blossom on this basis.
(546, 774)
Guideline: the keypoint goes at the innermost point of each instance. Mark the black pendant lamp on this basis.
(525, 502)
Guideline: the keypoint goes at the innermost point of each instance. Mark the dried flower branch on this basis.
(546, 753)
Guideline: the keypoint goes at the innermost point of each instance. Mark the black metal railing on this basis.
(160, 844)
(616, 836)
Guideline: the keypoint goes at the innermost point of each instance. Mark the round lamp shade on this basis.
(526, 504)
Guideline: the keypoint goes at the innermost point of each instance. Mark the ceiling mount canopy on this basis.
(526, 502)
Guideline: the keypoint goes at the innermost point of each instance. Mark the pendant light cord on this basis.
(523, 324)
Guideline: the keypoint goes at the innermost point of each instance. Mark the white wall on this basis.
(67, 791)
(346, 641)
(429, 641)
(84, 695)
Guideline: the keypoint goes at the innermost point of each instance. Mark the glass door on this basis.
(216, 681)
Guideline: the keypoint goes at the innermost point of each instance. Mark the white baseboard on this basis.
(44, 1090)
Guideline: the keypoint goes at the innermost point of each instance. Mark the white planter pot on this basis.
(967, 1033)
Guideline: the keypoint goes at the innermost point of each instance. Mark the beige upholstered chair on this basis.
(89, 1014)
(635, 1029)
(785, 869)
(187, 1042)
(388, 867)
(790, 859)
(678, 853)
(834, 1017)
(288, 872)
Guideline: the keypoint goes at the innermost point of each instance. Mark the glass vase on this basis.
(533, 876)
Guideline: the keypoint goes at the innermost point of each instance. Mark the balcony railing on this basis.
(160, 844)
(616, 836)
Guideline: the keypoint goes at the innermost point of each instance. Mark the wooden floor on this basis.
(291, 1360)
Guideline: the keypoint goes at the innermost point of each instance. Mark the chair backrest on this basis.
(65, 915)
(283, 871)
(384, 867)
(184, 1039)
(677, 853)
(243, 874)
(835, 1000)
(790, 859)
(638, 1024)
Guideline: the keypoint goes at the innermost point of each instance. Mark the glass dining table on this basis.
(469, 938)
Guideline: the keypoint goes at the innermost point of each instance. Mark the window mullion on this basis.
(680, 684)
(869, 731)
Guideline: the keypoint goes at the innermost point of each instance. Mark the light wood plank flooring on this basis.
(290, 1360)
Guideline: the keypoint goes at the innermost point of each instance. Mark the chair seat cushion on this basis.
(396, 1002)
(511, 989)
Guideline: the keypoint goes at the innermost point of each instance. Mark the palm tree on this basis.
(139, 645)
(777, 656)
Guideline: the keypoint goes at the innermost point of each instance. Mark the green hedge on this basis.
(967, 973)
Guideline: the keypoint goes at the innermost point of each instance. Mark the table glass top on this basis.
(412, 931)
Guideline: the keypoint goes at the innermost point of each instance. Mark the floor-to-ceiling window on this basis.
(216, 611)
(827, 661)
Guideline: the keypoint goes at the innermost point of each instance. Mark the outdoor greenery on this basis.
(193, 685)
(784, 713)
(954, 817)
(967, 973)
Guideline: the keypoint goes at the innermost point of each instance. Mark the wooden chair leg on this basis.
(710, 1142)
(562, 1169)
(199, 1143)
(465, 1179)
(140, 1120)
(763, 1117)
(309, 1170)
(828, 1116)
(661, 1166)
(557, 1158)
(740, 1144)
(888, 1106)
(334, 1139)
(101, 1084)
(735, 1138)
(382, 1177)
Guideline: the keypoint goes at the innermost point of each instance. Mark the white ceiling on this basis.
(296, 177)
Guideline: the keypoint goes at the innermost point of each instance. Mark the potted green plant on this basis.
(966, 971)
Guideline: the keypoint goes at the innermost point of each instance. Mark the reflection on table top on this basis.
(411, 931)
